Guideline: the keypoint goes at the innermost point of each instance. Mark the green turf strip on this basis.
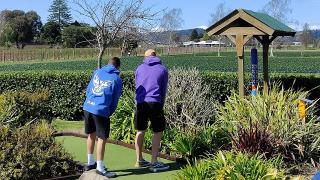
(118, 159)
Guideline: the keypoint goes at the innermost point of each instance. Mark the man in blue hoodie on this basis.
(103, 93)
(151, 86)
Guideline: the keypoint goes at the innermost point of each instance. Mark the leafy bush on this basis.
(122, 127)
(67, 89)
(31, 152)
(207, 140)
(277, 112)
(234, 166)
(253, 139)
(188, 104)
(18, 108)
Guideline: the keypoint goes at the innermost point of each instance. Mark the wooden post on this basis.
(240, 54)
(265, 45)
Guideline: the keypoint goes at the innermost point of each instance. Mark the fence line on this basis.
(91, 53)
(82, 53)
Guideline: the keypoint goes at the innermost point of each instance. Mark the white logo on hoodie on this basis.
(99, 86)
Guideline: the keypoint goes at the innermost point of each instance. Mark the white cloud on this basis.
(314, 26)
(203, 27)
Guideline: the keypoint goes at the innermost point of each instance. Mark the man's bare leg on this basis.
(90, 147)
(101, 144)
(155, 146)
(139, 145)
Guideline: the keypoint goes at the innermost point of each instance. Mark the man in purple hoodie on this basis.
(151, 86)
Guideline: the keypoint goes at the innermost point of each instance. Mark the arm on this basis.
(164, 86)
(90, 82)
(116, 95)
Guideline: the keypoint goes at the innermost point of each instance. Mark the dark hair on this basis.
(115, 61)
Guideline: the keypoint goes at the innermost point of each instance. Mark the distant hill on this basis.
(162, 37)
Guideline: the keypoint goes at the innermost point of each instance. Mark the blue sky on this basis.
(195, 12)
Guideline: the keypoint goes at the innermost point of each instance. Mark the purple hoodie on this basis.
(151, 81)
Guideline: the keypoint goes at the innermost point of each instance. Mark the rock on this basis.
(92, 175)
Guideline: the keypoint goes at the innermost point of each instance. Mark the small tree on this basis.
(279, 9)
(171, 22)
(206, 37)
(60, 12)
(51, 33)
(306, 37)
(113, 18)
(219, 13)
(75, 36)
(194, 35)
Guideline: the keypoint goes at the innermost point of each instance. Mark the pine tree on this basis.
(194, 35)
(60, 12)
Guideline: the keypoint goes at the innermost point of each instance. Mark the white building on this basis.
(203, 43)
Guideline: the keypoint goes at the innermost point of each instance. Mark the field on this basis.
(283, 62)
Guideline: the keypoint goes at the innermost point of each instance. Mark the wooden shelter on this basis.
(240, 26)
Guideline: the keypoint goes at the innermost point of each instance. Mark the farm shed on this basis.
(240, 26)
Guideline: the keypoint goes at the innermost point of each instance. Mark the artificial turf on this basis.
(118, 159)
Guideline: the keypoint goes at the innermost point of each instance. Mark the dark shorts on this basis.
(98, 124)
(146, 112)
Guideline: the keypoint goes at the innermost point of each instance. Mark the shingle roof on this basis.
(269, 21)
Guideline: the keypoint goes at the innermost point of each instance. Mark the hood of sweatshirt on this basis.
(110, 69)
(152, 60)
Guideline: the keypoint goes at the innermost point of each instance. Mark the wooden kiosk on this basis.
(240, 26)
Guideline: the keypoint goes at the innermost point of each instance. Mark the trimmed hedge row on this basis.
(67, 89)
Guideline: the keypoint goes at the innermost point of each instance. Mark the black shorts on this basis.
(98, 124)
(149, 111)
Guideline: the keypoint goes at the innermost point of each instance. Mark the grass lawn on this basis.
(118, 159)
(60, 125)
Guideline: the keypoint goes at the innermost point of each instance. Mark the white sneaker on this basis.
(158, 166)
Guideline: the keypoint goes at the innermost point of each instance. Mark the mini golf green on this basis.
(118, 159)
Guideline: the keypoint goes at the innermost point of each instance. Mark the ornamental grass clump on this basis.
(234, 166)
(270, 123)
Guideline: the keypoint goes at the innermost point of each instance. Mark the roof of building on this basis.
(269, 21)
(260, 23)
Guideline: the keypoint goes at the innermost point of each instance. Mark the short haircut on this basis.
(115, 61)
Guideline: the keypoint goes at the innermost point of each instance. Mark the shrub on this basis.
(189, 105)
(122, 127)
(18, 108)
(253, 139)
(234, 166)
(194, 146)
(31, 152)
(277, 112)
(67, 88)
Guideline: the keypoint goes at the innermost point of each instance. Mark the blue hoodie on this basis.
(103, 92)
(151, 81)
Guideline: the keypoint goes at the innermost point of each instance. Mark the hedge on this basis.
(67, 89)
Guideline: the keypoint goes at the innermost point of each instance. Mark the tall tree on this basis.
(114, 18)
(220, 12)
(171, 22)
(20, 27)
(194, 35)
(306, 37)
(60, 12)
(278, 9)
(51, 33)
